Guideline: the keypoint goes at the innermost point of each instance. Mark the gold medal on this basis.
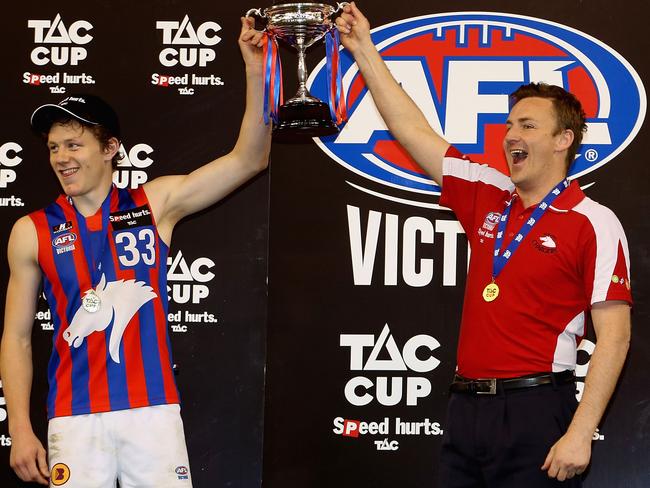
(91, 302)
(491, 292)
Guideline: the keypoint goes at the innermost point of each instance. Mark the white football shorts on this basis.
(140, 447)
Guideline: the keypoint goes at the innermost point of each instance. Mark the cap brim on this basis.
(45, 115)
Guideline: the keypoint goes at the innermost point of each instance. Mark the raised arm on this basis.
(174, 197)
(403, 118)
(27, 456)
(571, 454)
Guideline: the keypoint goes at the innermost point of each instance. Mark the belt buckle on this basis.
(493, 386)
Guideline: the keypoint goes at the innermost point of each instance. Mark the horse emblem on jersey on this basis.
(120, 301)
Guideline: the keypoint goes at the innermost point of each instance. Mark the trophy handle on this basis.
(261, 20)
(255, 11)
(340, 6)
(338, 11)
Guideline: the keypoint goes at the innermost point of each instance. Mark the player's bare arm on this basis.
(571, 454)
(28, 457)
(404, 119)
(174, 197)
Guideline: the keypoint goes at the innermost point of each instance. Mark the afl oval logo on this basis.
(64, 240)
(459, 68)
(491, 220)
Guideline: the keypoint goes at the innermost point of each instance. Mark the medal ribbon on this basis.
(336, 96)
(500, 260)
(86, 241)
(273, 90)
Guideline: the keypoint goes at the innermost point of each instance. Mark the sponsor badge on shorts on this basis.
(182, 472)
(60, 474)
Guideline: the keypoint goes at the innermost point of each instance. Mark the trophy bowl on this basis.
(301, 25)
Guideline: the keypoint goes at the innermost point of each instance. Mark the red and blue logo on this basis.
(491, 220)
(182, 472)
(64, 240)
(459, 68)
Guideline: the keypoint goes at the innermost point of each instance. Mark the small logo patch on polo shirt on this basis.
(490, 222)
(622, 281)
(546, 243)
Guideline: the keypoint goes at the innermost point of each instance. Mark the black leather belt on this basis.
(491, 386)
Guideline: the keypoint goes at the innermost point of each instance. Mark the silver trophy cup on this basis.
(301, 25)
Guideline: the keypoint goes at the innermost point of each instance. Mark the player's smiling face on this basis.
(77, 158)
(535, 149)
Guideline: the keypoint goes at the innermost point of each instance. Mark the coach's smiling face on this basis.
(535, 148)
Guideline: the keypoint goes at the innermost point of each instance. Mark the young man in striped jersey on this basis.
(543, 256)
(101, 255)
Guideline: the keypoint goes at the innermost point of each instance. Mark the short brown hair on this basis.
(568, 111)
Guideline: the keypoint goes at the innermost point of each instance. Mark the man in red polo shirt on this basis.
(543, 256)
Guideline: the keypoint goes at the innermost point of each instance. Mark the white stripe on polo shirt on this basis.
(609, 233)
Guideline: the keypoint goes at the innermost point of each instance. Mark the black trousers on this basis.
(501, 441)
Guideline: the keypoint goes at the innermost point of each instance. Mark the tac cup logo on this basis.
(9, 158)
(459, 69)
(187, 45)
(58, 43)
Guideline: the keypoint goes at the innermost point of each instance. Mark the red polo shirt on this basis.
(576, 255)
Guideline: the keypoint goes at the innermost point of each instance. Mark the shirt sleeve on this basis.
(464, 180)
(606, 257)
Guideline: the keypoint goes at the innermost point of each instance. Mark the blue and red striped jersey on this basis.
(105, 281)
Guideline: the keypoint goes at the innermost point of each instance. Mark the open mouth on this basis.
(68, 172)
(518, 155)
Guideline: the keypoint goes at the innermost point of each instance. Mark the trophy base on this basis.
(299, 122)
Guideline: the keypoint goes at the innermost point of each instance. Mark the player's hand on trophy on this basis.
(250, 43)
(354, 29)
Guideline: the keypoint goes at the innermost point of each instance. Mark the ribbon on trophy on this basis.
(273, 91)
(336, 95)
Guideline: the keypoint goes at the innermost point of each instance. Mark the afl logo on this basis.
(182, 472)
(491, 220)
(64, 240)
(459, 68)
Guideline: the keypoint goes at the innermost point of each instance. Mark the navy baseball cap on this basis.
(87, 109)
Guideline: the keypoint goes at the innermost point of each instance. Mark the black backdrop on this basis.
(242, 424)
